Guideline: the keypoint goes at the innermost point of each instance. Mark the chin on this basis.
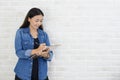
(36, 27)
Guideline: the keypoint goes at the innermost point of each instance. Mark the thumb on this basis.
(42, 44)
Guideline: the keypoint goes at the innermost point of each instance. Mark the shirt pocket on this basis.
(26, 44)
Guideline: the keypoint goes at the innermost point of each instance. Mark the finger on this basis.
(48, 50)
(37, 54)
(44, 52)
(43, 44)
(45, 49)
(40, 53)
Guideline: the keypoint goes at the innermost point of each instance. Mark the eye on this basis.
(36, 20)
(41, 21)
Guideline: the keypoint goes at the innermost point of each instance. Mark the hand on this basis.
(42, 46)
(45, 53)
(38, 50)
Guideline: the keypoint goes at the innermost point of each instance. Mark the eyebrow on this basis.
(38, 19)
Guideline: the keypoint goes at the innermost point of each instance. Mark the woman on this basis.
(31, 46)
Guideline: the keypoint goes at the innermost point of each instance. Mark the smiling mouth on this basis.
(37, 26)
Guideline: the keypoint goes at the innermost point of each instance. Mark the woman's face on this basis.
(35, 21)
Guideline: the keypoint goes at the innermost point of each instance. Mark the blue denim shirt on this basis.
(24, 43)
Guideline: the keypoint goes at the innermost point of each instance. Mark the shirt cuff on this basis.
(51, 55)
(28, 52)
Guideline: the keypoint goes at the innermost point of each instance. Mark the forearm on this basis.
(23, 53)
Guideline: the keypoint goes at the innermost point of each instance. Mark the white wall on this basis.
(89, 31)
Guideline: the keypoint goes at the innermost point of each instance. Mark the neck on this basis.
(33, 32)
(32, 29)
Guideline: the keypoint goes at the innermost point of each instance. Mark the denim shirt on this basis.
(24, 43)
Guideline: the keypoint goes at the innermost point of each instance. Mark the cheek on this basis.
(40, 23)
(33, 23)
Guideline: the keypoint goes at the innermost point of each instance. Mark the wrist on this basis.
(33, 51)
(40, 53)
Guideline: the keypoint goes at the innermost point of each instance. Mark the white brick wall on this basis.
(89, 31)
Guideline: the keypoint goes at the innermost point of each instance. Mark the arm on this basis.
(20, 52)
(50, 53)
(18, 47)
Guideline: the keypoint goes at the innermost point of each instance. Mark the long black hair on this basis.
(31, 13)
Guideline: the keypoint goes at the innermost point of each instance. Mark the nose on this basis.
(39, 23)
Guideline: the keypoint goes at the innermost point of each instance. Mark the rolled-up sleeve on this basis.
(48, 44)
(51, 55)
(18, 46)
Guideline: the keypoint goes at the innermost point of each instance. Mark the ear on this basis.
(28, 19)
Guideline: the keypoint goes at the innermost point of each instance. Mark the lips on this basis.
(36, 27)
